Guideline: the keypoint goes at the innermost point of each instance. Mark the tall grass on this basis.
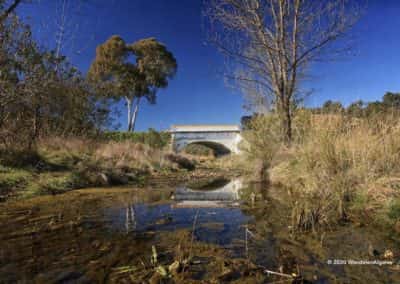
(107, 154)
(336, 160)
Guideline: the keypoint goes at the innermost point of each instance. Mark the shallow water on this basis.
(216, 225)
(86, 236)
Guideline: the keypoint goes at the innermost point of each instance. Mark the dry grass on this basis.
(61, 164)
(129, 154)
(340, 159)
(124, 154)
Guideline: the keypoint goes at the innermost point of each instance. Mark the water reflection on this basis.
(219, 218)
(130, 218)
(225, 195)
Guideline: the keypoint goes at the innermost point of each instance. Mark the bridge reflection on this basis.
(225, 195)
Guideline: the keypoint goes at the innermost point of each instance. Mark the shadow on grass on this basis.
(30, 160)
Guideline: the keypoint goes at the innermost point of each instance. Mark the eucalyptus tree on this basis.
(271, 44)
(132, 71)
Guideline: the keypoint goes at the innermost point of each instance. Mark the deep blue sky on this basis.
(198, 94)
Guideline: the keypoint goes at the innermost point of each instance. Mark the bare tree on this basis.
(70, 20)
(271, 44)
(6, 11)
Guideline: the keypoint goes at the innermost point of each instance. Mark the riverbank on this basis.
(61, 165)
(343, 169)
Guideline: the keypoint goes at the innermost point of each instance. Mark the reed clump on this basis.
(341, 167)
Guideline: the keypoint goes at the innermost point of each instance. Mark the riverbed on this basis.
(227, 230)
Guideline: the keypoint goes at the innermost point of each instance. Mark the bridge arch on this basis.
(218, 148)
(223, 138)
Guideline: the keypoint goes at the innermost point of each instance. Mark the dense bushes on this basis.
(261, 142)
(199, 150)
(41, 94)
(151, 137)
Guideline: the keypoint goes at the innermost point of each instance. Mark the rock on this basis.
(372, 251)
(388, 254)
(103, 179)
(118, 178)
(181, 161)
(131, 176)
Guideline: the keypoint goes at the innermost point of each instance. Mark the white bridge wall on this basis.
(230, 140)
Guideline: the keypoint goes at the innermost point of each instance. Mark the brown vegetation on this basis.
(61, 164)
(342, 162)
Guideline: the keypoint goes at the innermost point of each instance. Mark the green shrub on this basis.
(152, 137)
(11, 179)
(261, 142)
(20, 158)
(394, 210)
(198, 150)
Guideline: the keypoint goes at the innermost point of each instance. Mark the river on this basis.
(222, 231)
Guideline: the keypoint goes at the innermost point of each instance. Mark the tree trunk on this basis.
(35, 128)
(288, 125)
(285, 115)
(134, 115)
(129, 105)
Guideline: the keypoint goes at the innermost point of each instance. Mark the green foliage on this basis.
(374, 108)
(390, 104)
(332, 107)
(198, 150)
(13, 178)
(355, 109)
(131, 71)
(263, 137)
(151, 137)
(41, 93)
(20, 158)
(391, 100)
(261, 142)
(394, 210)
(49, 183)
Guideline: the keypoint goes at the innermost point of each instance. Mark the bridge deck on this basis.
(205, 128)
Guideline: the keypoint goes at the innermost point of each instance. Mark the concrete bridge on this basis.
(223, 139)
